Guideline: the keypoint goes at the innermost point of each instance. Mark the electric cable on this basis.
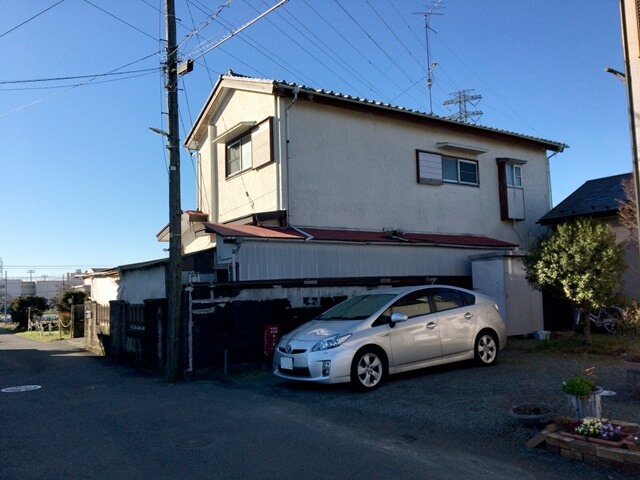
(77, 77)
(300, 46)
(29, 19)
(337, 58)
(78, 84)
(393, 32)
(121, 20)
(375, 42)
(65, 90)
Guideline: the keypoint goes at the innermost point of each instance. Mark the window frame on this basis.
(513, 180)
(227, 150)
(459, 162)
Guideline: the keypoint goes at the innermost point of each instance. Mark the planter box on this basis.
(631, 366)
(629, 443)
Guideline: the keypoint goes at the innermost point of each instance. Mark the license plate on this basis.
(286, 363)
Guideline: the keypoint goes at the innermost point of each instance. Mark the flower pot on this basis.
(588, 406)
(532, 414)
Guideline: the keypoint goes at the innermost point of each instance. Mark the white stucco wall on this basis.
(136, 286)
(104, 289)
(339, 167)
(251, 191)
(351, 169)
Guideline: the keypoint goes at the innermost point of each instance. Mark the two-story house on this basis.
(306, 196)
(299, 183)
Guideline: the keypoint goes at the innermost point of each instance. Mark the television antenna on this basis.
(431, 66)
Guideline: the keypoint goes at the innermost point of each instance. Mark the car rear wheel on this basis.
(368, 369)
(486, 349)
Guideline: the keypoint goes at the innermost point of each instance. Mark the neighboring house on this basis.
(600, 199)
(300, 183)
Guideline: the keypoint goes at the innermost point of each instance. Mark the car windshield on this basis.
(357, 308)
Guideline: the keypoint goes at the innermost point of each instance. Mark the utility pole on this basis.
(174, 283)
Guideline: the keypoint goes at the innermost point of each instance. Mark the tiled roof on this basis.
(595, 198)
(357, 236)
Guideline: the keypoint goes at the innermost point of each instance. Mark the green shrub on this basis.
(579, 385)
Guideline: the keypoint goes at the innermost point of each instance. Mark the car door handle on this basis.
(431, 325)
(468, 315)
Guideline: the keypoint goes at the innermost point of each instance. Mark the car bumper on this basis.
(313, 367)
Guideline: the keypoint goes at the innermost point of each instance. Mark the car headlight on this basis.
(330, 342)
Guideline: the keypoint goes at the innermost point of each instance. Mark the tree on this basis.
(579, 261)
(62, 301)
(627, 213)
(20, 307)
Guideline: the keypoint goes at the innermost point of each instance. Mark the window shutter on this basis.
(429, 168)
(261, 143)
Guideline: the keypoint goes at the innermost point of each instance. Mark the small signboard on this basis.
(271, 337)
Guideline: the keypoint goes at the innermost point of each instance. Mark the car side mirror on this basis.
(398, 318)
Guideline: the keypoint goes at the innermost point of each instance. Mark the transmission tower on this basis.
(462, 98)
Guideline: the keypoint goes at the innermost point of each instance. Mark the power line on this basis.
(35, 102)
(393, 32)
(375, 42)
(78, 84)
(77, 77)
(123, 21)
(305, 50)
(28, 20)
(212, 46)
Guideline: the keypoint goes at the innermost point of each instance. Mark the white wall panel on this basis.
(289, 260)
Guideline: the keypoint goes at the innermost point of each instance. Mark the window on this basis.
(446, 299)
(413, 305)
(514, 175)
(455, 170)
(239, 155)
(511, 188)
(434, 169)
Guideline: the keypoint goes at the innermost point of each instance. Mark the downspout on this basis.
(287, 117)
(190, 328)
(549, 177)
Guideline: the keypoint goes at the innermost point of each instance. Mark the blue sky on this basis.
(85, 183)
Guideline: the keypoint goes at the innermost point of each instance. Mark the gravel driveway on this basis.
(471, 404)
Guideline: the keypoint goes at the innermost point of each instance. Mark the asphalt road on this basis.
(94, 418)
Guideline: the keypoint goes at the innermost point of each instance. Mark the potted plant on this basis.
(583, 395)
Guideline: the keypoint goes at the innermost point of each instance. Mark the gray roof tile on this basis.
(595, 198)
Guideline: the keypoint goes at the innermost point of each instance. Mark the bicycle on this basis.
(605, 317)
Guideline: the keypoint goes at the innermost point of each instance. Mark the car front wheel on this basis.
(486, 349)
(367, 369)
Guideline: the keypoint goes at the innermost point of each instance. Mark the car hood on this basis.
(318, 329)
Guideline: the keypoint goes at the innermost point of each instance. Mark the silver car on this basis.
(382, 332)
